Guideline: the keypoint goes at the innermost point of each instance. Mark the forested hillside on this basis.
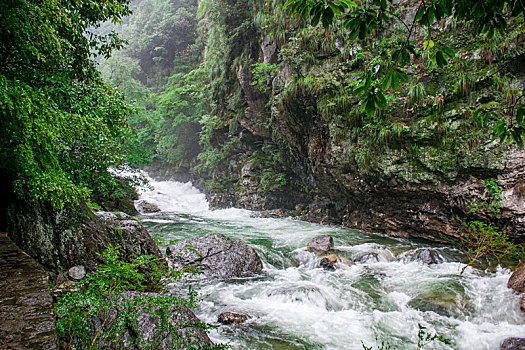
(408, 124)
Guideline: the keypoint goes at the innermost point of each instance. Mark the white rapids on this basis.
(298, 305)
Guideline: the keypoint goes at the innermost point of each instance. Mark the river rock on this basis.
(217, 256)
(513, 344)
(517, 280)
(231, 317)
(59, 239)
(321, 243)
(426, 305)
(77, 273)
(327, 264)
(146, 207)
(147, 331)
(429, 257)
(374, 257)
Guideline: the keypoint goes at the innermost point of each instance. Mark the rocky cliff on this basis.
(287, 133)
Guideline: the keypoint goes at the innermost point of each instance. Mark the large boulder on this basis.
(61, 239)
(216, 256)
(517, 280)
(146, 329)
(321, 243)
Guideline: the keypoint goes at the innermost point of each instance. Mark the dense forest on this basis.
(399, 118)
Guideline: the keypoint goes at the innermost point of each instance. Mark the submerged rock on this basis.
(216, 256)
(513, 344)
(426, 305)
(429, 257)
(517, 280)
(146, 207)
(231, 317)
(327, 264)
(374, 257)
(321, 243)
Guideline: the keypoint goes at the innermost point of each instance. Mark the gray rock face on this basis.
(77, 273)
(146, 207)
(513, 344)
(517, 280)
(231, 317)
(147, 330)
(70, 237)
(321, 243)
(217, 256)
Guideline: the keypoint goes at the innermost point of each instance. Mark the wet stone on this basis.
(231, 318)
(321, 243)
(216, 256)
(429, 257)
(325, 264)
(146, 207)
(517, 280)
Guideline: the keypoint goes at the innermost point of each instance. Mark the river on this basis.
(383, 297)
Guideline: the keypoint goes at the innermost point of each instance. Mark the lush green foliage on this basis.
(479, 239)
(61, 127)
(363, 19)
(160, 72)
(97, 315)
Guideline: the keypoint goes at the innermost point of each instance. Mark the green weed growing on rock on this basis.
(122, 305)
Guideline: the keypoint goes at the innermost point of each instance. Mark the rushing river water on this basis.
(383, 297)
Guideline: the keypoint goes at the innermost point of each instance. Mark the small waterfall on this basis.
(175, 197)
(382, 295)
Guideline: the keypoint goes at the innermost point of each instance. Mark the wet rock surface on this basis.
(65, 238)
(517, 280)
(321, 243)
(26, 319)
(231, 318)
(327, 264)
(146, 207)
(513, 344)
(429, 257)
(217, 256)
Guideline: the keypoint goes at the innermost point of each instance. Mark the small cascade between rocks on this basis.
(380, 288)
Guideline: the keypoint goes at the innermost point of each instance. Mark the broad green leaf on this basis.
(440, 60)
(428, 43)
(448, 51)
(519, 115)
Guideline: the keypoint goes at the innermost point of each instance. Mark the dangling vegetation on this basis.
(62, 128)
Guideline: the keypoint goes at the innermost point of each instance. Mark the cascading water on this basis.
(383, 297)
